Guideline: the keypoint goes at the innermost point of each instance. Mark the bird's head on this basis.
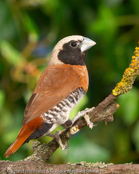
(71, 50)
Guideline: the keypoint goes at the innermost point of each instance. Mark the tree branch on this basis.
(103, 112)
(100, 113)
(82, 167)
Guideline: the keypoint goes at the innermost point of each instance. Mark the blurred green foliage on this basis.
(29, 29)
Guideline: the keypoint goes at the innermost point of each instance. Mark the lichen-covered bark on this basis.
(40, 167)
(103, 112)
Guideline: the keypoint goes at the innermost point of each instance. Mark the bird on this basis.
(61, 86)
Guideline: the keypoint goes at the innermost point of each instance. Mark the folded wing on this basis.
(55, 83)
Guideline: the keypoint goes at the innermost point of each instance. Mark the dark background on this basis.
(28, 32)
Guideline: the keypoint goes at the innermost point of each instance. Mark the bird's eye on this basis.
(73, 44)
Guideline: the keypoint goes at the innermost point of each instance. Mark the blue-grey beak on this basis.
(86, 44)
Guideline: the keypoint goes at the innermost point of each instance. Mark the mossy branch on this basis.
(129, 76)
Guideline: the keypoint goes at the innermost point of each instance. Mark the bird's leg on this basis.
(58, 139)
(66, 125)
(86, 117)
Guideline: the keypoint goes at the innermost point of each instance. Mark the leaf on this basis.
(83, 150)
(2, 98)
(135, 135)
(8, 28)
(10, 54)
(129, 106)
(30, 27)
(106, 23)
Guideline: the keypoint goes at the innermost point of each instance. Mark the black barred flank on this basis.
(59, 112)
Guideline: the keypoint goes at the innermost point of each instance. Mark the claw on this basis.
(66, 147)
(86, 117)
(89, 123)
(58, 139)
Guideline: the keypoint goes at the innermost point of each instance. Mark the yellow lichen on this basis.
(117, 105)
(129, 75)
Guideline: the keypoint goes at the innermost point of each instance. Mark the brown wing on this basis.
(55, 83)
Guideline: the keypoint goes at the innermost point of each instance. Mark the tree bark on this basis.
(19, 167)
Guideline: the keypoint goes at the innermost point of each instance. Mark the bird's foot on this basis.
(58, 139)
(86, 117)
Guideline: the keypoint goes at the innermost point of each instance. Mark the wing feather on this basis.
(55, 83)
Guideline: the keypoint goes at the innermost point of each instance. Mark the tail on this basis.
(23, 135)
(18, 142)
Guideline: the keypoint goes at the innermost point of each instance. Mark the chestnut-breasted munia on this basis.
(60, 88)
